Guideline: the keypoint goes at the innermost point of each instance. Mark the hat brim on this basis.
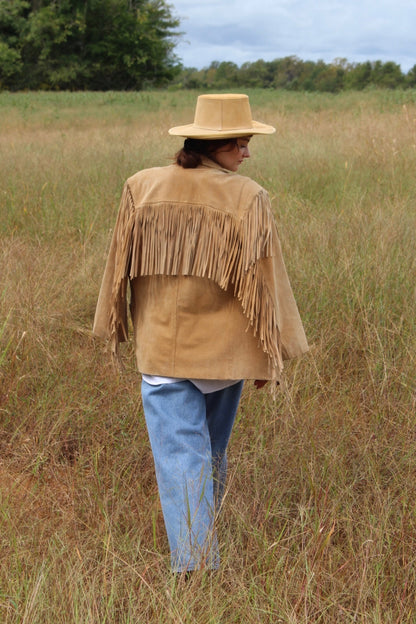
(191, 131)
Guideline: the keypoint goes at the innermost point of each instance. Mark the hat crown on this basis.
(222, 116)
(223, 112)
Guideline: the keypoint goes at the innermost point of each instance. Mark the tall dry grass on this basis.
(319, 522)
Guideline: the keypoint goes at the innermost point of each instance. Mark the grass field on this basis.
(319, 524)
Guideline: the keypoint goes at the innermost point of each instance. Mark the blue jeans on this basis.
(189, 433)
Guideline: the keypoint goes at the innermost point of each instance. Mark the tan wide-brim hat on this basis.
(222, 116)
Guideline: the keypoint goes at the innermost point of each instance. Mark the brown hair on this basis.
(193, 150)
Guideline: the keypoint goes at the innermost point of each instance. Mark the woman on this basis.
(211, 306)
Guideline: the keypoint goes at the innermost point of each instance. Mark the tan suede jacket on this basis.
(210, 296)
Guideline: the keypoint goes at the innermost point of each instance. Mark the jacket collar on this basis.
(207, 162)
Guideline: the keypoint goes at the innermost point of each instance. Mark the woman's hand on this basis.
(259, 383)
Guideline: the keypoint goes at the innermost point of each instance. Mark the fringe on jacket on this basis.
(174, 239)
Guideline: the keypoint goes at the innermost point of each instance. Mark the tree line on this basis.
(130, 45)
(295, 74)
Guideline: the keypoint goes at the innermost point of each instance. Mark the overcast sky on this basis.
(248, 30)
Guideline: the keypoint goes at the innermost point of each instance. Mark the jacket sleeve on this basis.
(264, 288)
(110, 321)
(292, 338)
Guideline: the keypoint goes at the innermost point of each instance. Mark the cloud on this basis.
(246, 31)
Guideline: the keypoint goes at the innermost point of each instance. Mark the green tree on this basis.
(210, 75)
(329, 78)
(287, 72)
(12, 20)
(87, 44)
(133, 48)
(411, 77)
(51, 47)
(189, 78)
(359, 76)
(257, 74)
(387, 75)
(307, 75)
(226, 75)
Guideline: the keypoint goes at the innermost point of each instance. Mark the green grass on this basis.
(319, 522)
